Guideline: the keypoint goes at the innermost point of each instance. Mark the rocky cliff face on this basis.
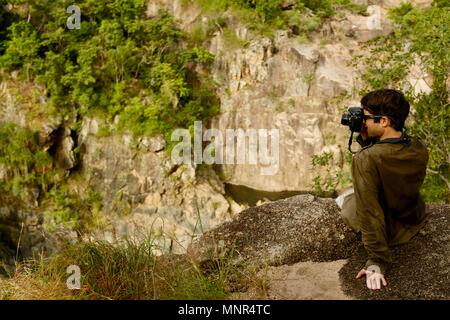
(138, 180)
(21, 234)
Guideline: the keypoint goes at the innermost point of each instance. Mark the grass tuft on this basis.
(125, 271)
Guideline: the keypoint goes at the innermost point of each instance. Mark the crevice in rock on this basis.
(310, 84)
(173, 169)
(56, 139)
(77, 165)
(246, 195)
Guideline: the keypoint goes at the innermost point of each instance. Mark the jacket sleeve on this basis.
(369, 212)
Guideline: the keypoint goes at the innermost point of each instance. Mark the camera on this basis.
(353, 119)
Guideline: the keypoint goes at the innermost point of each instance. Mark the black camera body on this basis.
(353, 119)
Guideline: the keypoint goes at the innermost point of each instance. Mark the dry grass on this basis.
(24, 286)
(128, 271)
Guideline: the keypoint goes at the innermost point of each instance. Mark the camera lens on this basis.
(345, 120)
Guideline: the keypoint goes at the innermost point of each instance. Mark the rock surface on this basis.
(308, 229)
(306, 281)
(300, 228)
(144, 193)
(21, 236)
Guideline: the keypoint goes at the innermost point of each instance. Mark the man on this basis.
(388, 171)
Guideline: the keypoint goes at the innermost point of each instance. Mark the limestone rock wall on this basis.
(144, 192)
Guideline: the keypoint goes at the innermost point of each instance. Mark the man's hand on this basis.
(364, 134)
(373, 278)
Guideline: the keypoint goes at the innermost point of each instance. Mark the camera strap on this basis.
(350, 143)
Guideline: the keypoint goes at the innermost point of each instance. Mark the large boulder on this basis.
(309, 229)
(300, 228)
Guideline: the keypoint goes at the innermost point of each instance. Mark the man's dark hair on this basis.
(390, 103)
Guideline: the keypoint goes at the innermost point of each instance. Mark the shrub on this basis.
(28, 171)
(23, 164)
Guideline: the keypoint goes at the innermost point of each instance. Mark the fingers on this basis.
(373, 282)
(383, 280)
(360, 274)
(368, 281)
(373, 279)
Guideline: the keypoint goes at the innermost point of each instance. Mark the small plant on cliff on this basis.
(67, 209)
(24, 166)
(331, 177)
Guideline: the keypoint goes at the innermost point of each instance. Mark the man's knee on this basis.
(347, 203)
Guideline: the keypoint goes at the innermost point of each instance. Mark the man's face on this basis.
(374, 129)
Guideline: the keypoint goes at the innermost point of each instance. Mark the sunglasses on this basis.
(365, 117)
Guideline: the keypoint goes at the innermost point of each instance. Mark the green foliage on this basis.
(267, 10)
(232, 40)
(331, 178)
(321, 159)
(23, 47)
(445, 4)
(118, 62)
(266, 16)
(69, 210)
(435, 190)
(351, 6)
(420, 35)
(323, 8)
(6, 19)
(27, 171)
(23, 164)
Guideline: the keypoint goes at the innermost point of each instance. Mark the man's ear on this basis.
(385, 122)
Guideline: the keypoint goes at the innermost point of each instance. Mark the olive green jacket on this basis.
(387, 177)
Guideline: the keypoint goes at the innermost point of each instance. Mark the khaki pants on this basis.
(398, 232)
